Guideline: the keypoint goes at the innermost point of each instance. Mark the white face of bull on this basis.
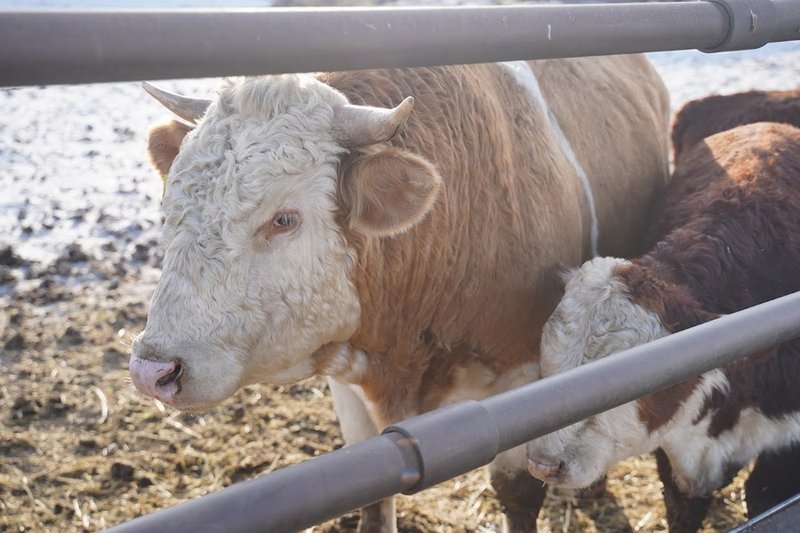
(595, 318)
(257, 270)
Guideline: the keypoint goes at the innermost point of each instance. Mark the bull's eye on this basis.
(284, 221)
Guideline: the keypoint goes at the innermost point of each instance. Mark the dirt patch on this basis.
(82, 450)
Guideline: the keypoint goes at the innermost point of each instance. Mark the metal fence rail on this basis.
(783, 518)
(57, 46)
(425, 450)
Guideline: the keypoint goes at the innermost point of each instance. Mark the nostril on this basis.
(157, 379)
(171, 377)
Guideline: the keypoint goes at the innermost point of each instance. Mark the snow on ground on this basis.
(75, 169)
(690, 74)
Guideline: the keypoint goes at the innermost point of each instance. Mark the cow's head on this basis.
(261, 194)
(595, 318)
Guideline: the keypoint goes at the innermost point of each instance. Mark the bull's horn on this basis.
(355, 125)
(191, 109)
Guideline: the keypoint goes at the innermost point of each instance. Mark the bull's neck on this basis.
(396, 286)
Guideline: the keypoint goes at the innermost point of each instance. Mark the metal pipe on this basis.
(422, 451)
(59, 46)
(783, 518)
(294, 498)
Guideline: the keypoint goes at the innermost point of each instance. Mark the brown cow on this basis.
(404, 255)
(704, 117)
(731, 240)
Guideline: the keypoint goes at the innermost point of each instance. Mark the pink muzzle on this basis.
(157, 379)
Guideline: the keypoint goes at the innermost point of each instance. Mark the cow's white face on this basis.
(595, 318)
(257, 270)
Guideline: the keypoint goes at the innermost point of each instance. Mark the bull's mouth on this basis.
(549, 471)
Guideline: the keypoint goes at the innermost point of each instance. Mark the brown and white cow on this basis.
(407, 256)
(730, 240)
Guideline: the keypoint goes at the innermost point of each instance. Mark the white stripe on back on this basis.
(526, 78)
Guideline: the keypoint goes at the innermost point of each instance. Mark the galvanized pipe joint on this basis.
(440, 455)
(750, 24)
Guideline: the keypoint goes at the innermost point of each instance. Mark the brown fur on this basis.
(432, 299)
(731, 240)
(684, 515)
(388, 191)
(163, 143)
(521, 499)
(678, 310)
(701, 118)
(734, 210)
(774, 479)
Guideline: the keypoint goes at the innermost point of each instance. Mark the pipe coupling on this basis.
(460, 438)
(750, 24)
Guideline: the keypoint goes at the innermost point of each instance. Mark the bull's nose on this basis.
(545, 469)
(157, 379)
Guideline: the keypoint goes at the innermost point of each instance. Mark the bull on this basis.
(315, 225)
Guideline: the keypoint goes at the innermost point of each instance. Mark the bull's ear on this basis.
(388, 192)
(565, 273)
(163, 145)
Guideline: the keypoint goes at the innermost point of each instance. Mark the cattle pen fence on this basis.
(59, 46)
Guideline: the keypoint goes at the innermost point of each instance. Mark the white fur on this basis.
(236, 307)
(699, 461)
(525, 77)
(355, 417)
(348, 365)
(475, 381)
(596, 318)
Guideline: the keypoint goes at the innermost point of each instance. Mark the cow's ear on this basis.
(565, 273)
(163, 144)
(388, 192)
